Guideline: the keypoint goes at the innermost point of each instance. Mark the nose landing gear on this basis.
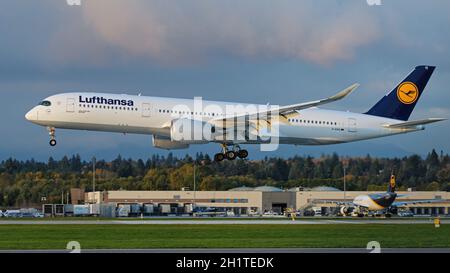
(230, 154)
(51, 132)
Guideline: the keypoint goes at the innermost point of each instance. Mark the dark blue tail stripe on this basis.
(391, 106)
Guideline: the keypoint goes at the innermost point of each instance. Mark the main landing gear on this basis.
(51, 132)
(230, 154)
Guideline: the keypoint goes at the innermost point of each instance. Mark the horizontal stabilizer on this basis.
(414, 123)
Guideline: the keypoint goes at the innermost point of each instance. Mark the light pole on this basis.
(93, 178)
(195, 189)
(344, 165)
(345, 189)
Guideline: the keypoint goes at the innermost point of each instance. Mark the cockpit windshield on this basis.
(45, 103)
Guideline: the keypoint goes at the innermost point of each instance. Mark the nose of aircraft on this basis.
(31, 115)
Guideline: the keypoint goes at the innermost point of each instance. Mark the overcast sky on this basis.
(249, 51)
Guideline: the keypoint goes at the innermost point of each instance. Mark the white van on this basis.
(317, 211)
(12, 213)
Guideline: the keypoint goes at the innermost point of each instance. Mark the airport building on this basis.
(249, 201)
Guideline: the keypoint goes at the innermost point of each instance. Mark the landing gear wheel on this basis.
(231, 155)
(242, 153)
(51, 132)
(219, 157)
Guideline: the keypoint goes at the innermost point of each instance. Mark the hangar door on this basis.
(279, 207)
(146, 109)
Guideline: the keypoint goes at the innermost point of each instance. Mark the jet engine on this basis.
(346, 210)
(166, 143)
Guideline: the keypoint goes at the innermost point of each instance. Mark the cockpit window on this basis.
(45, 103)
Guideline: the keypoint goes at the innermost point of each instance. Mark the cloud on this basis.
(185, 32)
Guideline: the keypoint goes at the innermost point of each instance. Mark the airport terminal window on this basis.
(45, 103)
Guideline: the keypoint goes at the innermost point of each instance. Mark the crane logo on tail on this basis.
(407, 92)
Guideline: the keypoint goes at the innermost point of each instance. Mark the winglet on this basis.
(344, 92)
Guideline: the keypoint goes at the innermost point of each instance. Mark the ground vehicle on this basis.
(12, 213)
(405, 213)
(308, 212)
(317, 211)
(270, 213)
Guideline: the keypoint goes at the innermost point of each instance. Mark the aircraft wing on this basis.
(406, 203)
(413, 123)
(285, 110)
(340, 203)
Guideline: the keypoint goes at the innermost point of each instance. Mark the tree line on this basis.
(28, 182)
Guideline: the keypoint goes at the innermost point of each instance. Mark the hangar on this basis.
(250, 201)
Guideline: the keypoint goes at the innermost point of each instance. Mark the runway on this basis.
(239, 250)
(224, 222)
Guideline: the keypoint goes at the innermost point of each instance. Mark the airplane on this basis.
(384, 202)
(177, 123)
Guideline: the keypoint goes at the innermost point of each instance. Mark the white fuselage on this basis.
(153, 116)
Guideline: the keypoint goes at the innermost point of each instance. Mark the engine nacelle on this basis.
(166, 143)
(346, 210)
(191, 131)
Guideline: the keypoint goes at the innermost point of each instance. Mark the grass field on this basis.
(221, 236)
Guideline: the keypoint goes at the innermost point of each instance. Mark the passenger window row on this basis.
(127, 108)
(166, 111)
(312, 121)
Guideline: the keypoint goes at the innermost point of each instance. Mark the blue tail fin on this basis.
(400, 102)
(392, 184)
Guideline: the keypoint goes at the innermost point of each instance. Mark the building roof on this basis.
(268, 189)
(324, 188)
(243, 188)
(299, 189)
